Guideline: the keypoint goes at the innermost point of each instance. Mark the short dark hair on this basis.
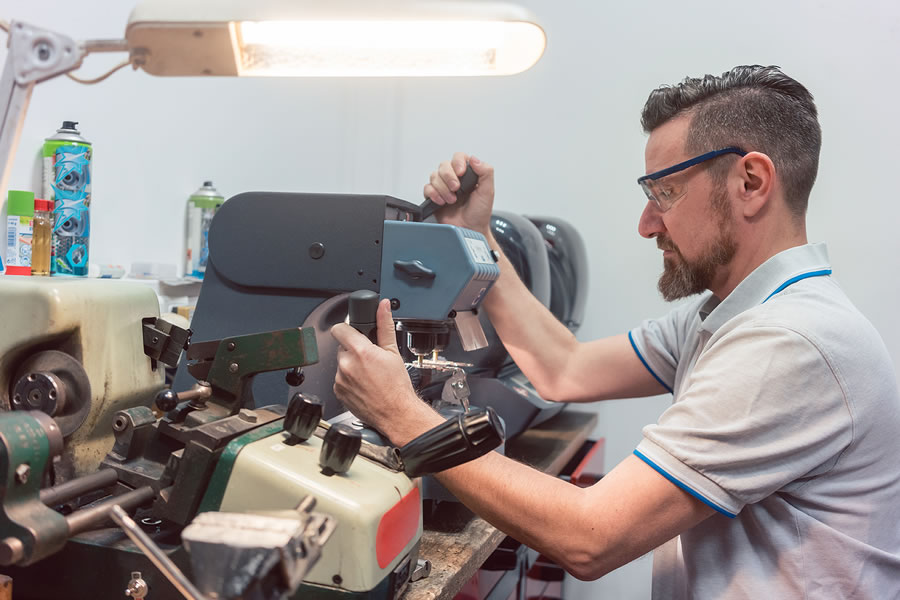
(754, 107)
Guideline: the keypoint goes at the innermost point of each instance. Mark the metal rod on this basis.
(77, 487)
(89, 518)
(105, 45)
(156, 556)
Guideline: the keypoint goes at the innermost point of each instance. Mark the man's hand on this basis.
(373, 384)
(443, 184)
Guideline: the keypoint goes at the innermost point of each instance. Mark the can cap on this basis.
(41, 204)
(21, 203)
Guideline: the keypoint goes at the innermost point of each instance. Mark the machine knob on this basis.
(362, 310)
(295, 377)
(339, 448)
(166, 400)
(453, 442)
(303, 415)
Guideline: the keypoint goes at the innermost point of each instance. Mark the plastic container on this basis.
(201, 208)
(67, 182)
(42, 231)
(20, 213)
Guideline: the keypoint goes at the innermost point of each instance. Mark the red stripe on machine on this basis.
(397, 528)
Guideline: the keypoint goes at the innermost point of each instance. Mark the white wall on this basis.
(564, 137)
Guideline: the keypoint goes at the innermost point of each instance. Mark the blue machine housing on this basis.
(451, 271)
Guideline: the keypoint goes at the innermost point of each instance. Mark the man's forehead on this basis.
(665, 146)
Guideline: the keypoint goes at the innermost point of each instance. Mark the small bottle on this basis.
(42, 232)
(20, 212)
(201, 208)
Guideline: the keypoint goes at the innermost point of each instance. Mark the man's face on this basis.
(696, 233)
(684, 277)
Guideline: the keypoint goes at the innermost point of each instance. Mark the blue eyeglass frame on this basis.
(690, 163)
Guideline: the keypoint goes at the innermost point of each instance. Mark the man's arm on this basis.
(560, 367)
(589, 531)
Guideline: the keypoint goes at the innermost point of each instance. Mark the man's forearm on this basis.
(538, 343)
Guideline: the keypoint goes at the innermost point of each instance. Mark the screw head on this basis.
(43, 51)
(230, 346)
(22, 473)
(233, 368)
(317, 251)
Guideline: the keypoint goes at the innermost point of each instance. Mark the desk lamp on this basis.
(288, 38)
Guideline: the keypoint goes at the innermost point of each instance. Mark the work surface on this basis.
(458, 543)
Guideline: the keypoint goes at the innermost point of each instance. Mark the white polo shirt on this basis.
(786, 420)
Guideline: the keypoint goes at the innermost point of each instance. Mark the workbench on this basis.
(459, 542)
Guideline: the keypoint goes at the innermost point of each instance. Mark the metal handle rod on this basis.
(77, 487)
(89, 518)
(156, 556)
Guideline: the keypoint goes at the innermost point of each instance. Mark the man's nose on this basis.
(651, 222)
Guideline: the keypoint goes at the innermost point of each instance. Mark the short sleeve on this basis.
(762, 408)
(658, 342)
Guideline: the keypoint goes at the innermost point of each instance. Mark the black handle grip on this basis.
(453, 442)
(467, 184)
(362, 310)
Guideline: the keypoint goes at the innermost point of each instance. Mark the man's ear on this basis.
(757, 182)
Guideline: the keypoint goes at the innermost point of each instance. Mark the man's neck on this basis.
(747, 260)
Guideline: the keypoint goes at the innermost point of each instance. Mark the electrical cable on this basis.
(124, 63)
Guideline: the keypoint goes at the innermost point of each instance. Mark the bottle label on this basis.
(18, 245)
(70, 183)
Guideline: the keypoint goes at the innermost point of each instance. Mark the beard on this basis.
(682, 277)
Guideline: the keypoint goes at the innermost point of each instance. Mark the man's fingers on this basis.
(387, 337)
(459, 162)
(349, 338)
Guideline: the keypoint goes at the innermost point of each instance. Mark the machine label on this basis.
(480, 251)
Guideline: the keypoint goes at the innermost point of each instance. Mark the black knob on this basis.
(303, 415)
(453, 442)
(295, 377)
(339, 448)
(166, 400)
(362, 311)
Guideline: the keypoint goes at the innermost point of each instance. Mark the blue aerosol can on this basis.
(201, 208)
(67, 183)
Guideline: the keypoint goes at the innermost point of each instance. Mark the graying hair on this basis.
(753, 107)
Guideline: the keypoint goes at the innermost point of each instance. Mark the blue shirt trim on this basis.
(655, 376)
(794, 280)
(684, 487)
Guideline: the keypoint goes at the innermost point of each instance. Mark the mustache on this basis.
(665, 243)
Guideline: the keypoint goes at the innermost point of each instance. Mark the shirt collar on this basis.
(774, 275)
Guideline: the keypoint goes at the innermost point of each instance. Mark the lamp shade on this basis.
(336, 38)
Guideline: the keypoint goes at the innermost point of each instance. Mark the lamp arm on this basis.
(34, 55)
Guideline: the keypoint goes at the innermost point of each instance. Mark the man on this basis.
(775, 472)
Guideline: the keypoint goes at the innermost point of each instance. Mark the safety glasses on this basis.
(664, 191)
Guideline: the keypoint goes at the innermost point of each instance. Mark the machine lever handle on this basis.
(467, 184)
(455, 441)
(363, 306)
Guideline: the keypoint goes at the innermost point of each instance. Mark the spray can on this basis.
(201, 207)
(67, 183)
(20, 212)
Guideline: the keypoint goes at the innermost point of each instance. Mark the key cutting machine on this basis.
(210, 453)
(277, 258)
